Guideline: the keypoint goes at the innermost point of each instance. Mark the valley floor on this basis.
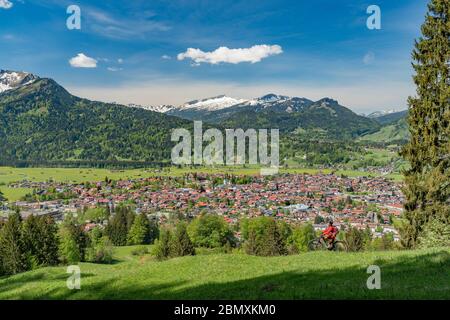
(9, 174)
(420, 274)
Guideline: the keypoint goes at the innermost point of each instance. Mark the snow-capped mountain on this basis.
(278, 103)
(14, 79)
(225, 104)
(212, 104)
(268, 99)
(381, 113)
(217, 108)
(387, 117)
(204, 105)
(161, 108)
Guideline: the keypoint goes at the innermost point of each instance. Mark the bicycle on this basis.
(321, 244)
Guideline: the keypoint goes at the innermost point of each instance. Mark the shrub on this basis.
(210, 231)
(300, 238)
(263, 237)
(354, 239)
(100, 251)
(140, 251)
(385, 242)
(162, 246)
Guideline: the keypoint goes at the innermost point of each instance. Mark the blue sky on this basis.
(325, 49)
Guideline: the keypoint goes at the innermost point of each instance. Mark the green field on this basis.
(14, 194)
(9, 174)
(315, 275)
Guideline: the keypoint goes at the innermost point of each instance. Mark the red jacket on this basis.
(331, 231)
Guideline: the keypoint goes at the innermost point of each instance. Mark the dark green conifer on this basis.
(427, 181)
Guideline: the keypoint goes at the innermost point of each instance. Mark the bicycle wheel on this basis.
(339, 246)
(316, 244)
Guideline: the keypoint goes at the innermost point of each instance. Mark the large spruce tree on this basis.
(427, 181)
(12, 248)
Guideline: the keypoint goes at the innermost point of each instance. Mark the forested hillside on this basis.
(43, 122)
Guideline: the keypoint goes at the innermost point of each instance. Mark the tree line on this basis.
(38, 241)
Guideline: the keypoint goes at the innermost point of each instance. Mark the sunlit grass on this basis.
(420, 274)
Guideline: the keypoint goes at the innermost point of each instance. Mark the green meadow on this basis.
(9, 174)
(14, 194)
(419, 274)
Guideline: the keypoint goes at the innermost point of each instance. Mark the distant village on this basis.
(315, 198)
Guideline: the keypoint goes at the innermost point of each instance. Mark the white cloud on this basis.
(120, 60)
(5, 4)
(166, 57)
(83, 61)
(369, 57)
(234, 56)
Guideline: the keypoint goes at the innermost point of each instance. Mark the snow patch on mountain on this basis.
(12, 79)
(381, 113)
(161, 108)
(212, 104)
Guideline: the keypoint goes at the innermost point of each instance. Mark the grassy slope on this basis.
(391, 132)
(404, 275)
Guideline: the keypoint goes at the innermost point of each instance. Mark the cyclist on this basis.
(329, 234)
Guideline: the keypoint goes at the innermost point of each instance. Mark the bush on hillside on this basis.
(140, 251)
(354, 239)
(161, 249)
(100, 251)
(301, 236)
(263, 237)
(210, 231)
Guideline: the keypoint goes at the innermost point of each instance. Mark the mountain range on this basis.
(217, 109)
(41, 121)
